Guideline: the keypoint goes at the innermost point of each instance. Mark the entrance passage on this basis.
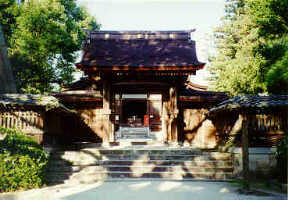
(138, 116)
(133, 124)
(134, 112)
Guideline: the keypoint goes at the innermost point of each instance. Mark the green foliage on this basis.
(282, 158)
(237, 67)
(277, 77)
(8, 13)
(43, 43)
(270, 16)
(250, 42)
(22, 162)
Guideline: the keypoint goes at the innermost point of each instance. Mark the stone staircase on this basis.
(133, 133)
(84, 164)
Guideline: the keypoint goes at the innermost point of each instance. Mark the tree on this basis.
(8, 13)
(43, 45)
(7, 83)
(277, 76)
(271, 17)
(249, 43)
(237, 66)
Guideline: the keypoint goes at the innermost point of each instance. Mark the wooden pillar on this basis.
(106, 111)
(106, 95)
(172, 113)
(245, 150)
(165, 120)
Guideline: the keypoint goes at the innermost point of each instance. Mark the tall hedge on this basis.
(22, 162)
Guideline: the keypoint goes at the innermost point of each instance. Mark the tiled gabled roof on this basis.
(254, 104)
(140, 49)
(8, 101)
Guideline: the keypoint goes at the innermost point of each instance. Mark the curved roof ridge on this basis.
(136, 35)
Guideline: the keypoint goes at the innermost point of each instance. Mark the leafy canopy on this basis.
(250, 42)
(45, 36)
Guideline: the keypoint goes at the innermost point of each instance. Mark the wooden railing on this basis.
(273, 122)
(29, 122)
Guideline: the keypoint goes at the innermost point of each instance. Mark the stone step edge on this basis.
(110, 169)
(224, 177)
(148, 155)
(131, 151)
(151, 156)
(127, 144)
(196, 150)
(102, 162)
(158, 166)
(129, 179)
(97, 163)
(149, 161)
(109, 179)
(120, 172)
(128, 166)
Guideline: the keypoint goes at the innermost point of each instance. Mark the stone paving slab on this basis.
(141, 190)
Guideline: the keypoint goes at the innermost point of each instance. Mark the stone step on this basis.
(144, 168)
(75, 157)
(94, 177)
(141, 163)
(194, 163)
(172, 175)
(140, 152)
(137, 151)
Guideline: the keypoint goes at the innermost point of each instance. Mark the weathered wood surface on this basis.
(198, 131)
(245, 150)
(265, 130)
(172, 71)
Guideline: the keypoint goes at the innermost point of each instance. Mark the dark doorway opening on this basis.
(133, 112)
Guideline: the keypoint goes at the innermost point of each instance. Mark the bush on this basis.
(22, 162)
(282, 157)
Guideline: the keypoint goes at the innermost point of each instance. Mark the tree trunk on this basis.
(7, 84)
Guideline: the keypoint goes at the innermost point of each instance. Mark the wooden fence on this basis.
(265, 130)
(29, 122)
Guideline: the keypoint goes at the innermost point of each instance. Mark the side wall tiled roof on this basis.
(22, 100)
(251, 103)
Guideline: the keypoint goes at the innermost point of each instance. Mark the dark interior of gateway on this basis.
(133, 112)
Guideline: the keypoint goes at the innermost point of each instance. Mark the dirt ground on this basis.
(143, 190)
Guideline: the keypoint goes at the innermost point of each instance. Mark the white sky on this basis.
(162, 15)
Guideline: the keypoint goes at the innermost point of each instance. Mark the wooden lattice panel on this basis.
(25, 121)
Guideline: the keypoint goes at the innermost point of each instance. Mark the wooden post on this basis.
(245, 151)
(173, 111)
(106, 112)
(106, 96)
(165, 119)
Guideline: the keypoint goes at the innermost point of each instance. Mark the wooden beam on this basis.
(245, 150)
(140, 68)
(201, 98)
